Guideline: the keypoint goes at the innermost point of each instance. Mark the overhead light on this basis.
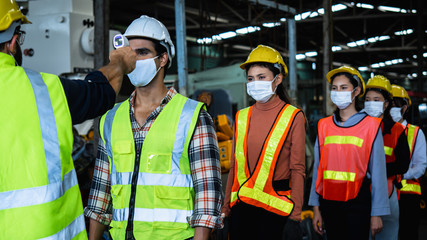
(381, 64)
(382, 38)
(394, 61)
(388, 9)
(338, 7)
(388, 63)
(300, 56)
(375, 65)
(205, 40)
(226, 35)
(321, 11)
(311, 54)
(363, 68)
(216, 37)
(414, 11)
(414, 75)
(314, 14)
(283, 19)
(271, 24)
(336, 48)
(242, 47)
(404, 32)
(313, 66)
(373, 39)
(361, 42)
(425, 73)
(415, 56)
(425, 54)
(400, 60)
(364, 5)
(246, 30)
(352, 44)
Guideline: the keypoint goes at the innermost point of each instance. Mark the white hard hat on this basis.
(149, 27)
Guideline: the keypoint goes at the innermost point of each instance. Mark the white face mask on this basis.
(342, 99)
(144, 72)
(373, 108)
(261, 91)
(396, 113)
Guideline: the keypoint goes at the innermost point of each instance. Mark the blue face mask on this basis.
(144, 72)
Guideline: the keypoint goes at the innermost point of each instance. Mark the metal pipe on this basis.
(181, 45)
(102, 18)
(327, 42)
(292, 58)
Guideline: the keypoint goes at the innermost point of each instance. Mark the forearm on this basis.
(201, 233)
(96, 230)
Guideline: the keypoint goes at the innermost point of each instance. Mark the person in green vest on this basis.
(157, 173)
(39, 193)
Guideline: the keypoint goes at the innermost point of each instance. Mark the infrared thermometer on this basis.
(120, 41)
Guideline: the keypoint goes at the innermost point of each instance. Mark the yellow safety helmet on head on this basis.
(351, 71)
(380, 82)
(398, 91)
(267, 54)
(9, 13)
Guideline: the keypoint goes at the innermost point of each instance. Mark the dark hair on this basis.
(387, 98)
(281, 90)
(354, 80)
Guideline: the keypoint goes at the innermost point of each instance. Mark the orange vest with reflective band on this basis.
(344, 157)
(257, 188)
(411, 186)
(390, 141)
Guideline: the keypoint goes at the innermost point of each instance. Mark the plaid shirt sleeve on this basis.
(99, 206)
(206, 173)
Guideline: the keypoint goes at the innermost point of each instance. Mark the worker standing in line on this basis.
(157, 173)
(410, 193)
(349, 159)
(39, 194)
(265, 185)
(378, 101)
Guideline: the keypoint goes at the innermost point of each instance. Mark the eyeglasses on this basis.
(21, 37)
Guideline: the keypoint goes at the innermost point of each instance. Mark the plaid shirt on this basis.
(204, 164)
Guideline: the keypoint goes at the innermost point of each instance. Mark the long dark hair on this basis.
(387, 97)
(281, 90)
(354, 80)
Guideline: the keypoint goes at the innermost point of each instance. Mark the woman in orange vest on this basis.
(349, 158)
(378, 101)
(265, 185)
(410, 193)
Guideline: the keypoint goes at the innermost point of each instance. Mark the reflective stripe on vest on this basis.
(388, 151)
(259, 191)
(164, 169)
(340, 176)
(45, 200)
(340, 180)
(344, 140)
(411, 186)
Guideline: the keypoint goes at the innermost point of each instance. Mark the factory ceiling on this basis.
(376, 36)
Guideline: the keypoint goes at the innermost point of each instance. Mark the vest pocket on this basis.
(174, 204)
(158, 163)
(116, 195)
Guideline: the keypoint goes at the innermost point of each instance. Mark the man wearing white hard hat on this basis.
(157, 173)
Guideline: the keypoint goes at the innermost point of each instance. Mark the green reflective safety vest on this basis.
(411, 186)
(39, 194)
(164, 187)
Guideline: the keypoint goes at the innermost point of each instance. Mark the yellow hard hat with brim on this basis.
(351, 71)
(266, 54)
(379, 82)
(9, 13)
(398, 91)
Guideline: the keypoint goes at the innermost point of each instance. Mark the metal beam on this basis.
(327, 58)
(292, 38)
(372, 16)
(102, 20)
(194, 12)
(376, 49)
(420, 37)
(233, 11)
(275, 5)
(181, 45)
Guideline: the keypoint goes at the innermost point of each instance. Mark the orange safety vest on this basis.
(344, 157)
(257, 188)
(411, 186)
(390, 141)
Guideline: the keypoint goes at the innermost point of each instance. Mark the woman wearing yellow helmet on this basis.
(265, 185)
(378, 101)
(349, 155)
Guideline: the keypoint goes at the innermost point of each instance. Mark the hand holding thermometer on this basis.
(120, 41)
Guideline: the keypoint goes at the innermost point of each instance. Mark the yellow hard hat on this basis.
(350, 70)
(381, 82)
(267, 54)
(398, 91)
(9, 13)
